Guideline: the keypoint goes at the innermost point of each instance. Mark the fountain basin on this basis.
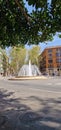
(29, 72)
(28, 78)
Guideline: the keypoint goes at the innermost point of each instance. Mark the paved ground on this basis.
(30, 104)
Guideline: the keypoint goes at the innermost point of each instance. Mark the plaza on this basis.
(30, 104)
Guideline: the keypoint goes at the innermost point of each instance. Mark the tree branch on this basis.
(22, 10)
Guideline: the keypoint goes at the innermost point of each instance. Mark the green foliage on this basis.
(13, 25)
(37, 3)
(17, 58)
(59, 35)
(18, 27)
(5, 62)
(33, 54)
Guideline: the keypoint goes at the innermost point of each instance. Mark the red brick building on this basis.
(50, 61)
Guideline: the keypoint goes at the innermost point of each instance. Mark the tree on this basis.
(5, 63)
(17, 26)
(33, 54)
(17, 58)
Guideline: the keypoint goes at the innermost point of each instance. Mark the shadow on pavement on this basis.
(15, 115)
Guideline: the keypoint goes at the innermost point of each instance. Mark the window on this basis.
(58, 54)
(58, 60)
(59, 66)
(58, 50)
(50, 51)
(50, 55)
(50, 66)
(50, 61)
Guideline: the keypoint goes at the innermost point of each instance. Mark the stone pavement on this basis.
(27, 109)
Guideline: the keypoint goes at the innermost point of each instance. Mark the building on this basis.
(50, 61)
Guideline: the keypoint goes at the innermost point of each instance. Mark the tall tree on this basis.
(33, 54)
(17, 26)
(5, 63)
(17, 58)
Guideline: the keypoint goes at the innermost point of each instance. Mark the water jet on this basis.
(29, 71)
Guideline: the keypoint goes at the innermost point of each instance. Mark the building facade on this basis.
(50, 61)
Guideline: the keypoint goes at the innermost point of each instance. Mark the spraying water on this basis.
(29, 70)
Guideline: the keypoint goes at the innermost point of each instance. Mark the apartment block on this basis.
(50, 61)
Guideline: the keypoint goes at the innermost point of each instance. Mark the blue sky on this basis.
(55, 42)
(28, 7)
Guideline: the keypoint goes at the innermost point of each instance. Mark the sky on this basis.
(56, 41)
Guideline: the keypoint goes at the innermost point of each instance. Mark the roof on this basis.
(50, 47)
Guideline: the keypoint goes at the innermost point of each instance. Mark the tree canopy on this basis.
(33, 54)
(18, 26)
(17, 57)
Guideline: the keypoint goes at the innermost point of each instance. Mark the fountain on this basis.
(30, 68)
(29, 71)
